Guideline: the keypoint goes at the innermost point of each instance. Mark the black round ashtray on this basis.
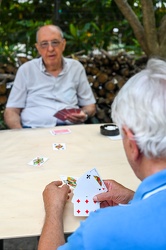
(109, 129)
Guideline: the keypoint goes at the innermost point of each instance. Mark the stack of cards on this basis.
(62, 114)
(88, 185)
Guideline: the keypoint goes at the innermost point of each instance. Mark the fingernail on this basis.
(95, 198)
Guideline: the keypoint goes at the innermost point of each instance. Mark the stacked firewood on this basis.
(7, 74)
(106, 75)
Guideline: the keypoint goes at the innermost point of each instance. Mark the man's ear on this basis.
(37, 47)
(64, 44)
(131, 143)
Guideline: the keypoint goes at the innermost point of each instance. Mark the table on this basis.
(21, 185)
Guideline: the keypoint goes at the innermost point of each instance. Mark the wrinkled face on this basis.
(50, 46)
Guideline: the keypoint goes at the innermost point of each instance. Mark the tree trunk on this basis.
(153, 43)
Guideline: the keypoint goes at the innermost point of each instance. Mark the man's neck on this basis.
(151, 166)
(54, 69)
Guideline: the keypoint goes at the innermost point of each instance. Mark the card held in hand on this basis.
(84, 205)
(88, 185)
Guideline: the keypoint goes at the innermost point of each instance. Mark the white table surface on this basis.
(21, 185)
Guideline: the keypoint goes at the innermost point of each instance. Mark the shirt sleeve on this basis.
(18, 93)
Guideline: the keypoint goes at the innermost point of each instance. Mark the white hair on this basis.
(141, 106)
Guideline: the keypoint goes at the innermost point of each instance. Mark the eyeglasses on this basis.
(54, 44)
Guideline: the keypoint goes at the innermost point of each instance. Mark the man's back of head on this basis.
(141, 106)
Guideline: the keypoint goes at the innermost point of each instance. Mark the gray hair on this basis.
(53, 26)
(141, 106)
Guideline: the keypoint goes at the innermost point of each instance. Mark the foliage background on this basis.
(87, 24)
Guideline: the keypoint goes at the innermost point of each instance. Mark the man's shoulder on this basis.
(30, 64)
(71, 61)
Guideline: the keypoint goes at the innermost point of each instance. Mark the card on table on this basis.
(60, 131)
(38, 161)
(59, 146)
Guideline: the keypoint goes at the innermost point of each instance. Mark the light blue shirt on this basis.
(140, 225)
(41, 94)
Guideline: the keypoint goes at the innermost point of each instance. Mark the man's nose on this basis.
(50, 47)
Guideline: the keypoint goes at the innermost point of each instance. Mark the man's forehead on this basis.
(48, 33)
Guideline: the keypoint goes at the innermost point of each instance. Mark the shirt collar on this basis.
(43, 68)
(150, 184)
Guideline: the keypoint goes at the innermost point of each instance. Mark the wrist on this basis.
(87, 115)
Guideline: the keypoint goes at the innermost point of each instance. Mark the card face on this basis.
(69, 180)
(88, 185)
(97, 180)
(59, 146)
(84, 205)
(38, 161)
(60, 131)
(91, 181)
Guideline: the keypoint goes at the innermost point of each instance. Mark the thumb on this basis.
(102, 197)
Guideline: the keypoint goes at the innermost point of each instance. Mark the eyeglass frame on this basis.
(45, 44)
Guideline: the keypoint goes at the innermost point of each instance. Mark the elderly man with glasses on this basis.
(47, 84)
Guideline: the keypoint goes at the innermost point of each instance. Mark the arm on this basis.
(115, 195)
(55, 198)
(12, 117)
(90, 110)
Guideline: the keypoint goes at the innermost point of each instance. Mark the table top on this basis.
(21, 185)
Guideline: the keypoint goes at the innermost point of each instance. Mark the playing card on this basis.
(69, 180)
(60, 131)
(85, 186)
(90, 182)
(97, 180)
(59, 146)
(84, 205)
(38, 161)
(74, 110)
(62, 115)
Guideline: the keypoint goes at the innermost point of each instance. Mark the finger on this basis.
(66, 188)
(102, 197)
(104, 204)
(57, 183)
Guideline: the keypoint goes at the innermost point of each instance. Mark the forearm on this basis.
(52, 235)
(12, 118)
(90, 110)
(55, 196)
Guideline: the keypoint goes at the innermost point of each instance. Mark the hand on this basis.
(77, 117)
(115, 195)
(55, 197)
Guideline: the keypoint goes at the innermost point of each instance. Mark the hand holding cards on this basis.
(87, 186)
(62, 114)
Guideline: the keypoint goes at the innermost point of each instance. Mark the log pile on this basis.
(106, 74)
